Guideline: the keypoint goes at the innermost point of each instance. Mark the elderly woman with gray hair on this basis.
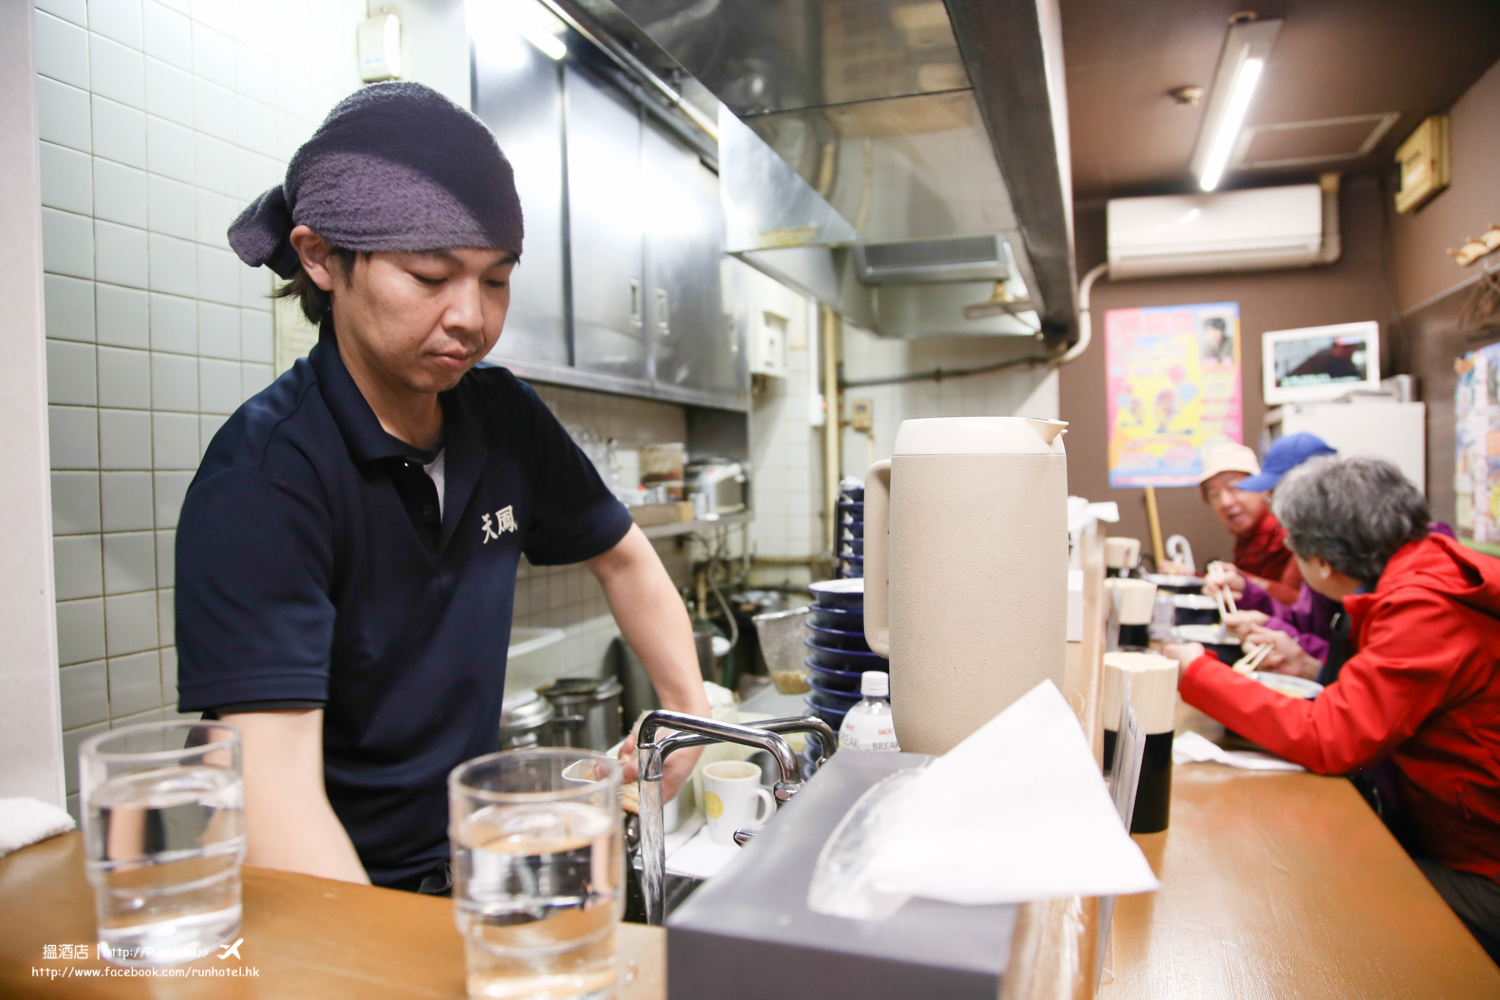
(1413, 699)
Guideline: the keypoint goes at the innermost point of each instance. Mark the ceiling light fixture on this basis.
(1241, 65)
(497, 27)
(539, 26)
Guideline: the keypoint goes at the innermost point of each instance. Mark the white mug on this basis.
(734, 799)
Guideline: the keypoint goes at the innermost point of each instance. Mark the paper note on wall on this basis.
(1172, 381)
(1476, 438)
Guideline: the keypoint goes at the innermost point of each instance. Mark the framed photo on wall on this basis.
(1320, 362)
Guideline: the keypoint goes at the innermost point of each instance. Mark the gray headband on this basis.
(396, 166)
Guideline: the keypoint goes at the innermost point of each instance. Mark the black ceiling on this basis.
(1333, 59)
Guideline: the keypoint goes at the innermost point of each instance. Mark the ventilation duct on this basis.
(966, 258)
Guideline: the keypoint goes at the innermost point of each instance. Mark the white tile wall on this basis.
(1030, 392)
(124, 500)
(67, 243)
(568, 597)
(119, 132)
(124, 317)
(786, 451)
(75, 502)
(119, 193)
(66, 183)
(158, 120)
(85, 694)
(117, 72)
(63, 114)
(124, 439)
(62, 50)
(124, 378)
(69, 306)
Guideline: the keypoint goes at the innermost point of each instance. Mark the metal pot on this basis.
(639, 696)
(524, 719)
(587, 711)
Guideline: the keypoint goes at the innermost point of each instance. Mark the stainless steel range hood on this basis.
(871, 122)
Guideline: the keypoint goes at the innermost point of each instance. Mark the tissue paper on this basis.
(1189, 748)
(1016, 812)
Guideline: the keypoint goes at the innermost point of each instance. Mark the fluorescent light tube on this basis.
(539, 26)
(1242, 62)
(550, 44)
(1229, 125)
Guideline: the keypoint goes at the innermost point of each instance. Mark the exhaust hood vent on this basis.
(966, 258)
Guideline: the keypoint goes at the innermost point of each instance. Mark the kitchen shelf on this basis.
(689, 527)
(578, 378)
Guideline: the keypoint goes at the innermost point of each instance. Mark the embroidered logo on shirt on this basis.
(505, 520)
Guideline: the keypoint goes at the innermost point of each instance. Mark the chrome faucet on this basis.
(653, 749)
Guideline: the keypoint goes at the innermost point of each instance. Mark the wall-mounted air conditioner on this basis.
(1252, 230)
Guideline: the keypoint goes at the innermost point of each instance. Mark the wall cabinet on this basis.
(518, 94)
(694, 342)
(619, 285)
(606, 220)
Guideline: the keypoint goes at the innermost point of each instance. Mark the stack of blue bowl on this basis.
(837, 651)
(851, 543)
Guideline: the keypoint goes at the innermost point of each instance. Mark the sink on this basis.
(677, 889)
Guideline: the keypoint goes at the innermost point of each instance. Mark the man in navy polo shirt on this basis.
(346, 555)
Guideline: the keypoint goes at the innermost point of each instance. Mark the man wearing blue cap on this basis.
(1284, 455)
(347, 553)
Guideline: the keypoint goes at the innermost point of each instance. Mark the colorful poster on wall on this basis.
(1173, 381)
(1476, 434)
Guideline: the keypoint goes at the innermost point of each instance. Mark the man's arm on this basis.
(288, 821)
(655, 623)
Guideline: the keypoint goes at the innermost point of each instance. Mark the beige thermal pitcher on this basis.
(966, 570)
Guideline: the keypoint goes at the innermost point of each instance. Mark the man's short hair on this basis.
(317, 305)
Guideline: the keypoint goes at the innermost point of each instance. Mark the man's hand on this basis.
(1240, 623)
(674, 774)
(1285, 657)
(1224, 577)
(655, 623)
(1183, 652)
(288, 822)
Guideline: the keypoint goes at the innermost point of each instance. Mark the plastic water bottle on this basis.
(868, 725)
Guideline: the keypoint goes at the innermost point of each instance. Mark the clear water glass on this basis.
(164, 834)
(538, 872)
(1163, 615)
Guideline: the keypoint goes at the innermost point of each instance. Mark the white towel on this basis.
(1190, 747)
(25, 821)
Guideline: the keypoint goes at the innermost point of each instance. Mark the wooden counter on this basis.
(1278, 885)
(1274, 886)
(306, 937)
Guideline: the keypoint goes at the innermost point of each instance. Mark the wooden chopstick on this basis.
(1224, 597)
(1252, 659)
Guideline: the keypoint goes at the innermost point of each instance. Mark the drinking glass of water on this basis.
(164, 834)
(538, 872)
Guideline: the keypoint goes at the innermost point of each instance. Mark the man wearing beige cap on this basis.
(1260, 550)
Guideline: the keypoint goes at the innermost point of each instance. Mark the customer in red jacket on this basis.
(1420, 686)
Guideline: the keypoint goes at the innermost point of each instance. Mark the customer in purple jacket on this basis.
(1298, 633)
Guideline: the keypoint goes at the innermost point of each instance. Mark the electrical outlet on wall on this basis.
(768, 348)
(862, 414)
(380, 48)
